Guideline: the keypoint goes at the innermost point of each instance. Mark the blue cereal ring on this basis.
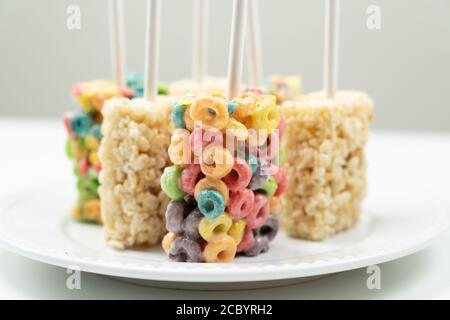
(178, 116)
(211, 203)
(80, 123)
(95, 130)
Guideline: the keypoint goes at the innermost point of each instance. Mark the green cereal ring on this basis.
(69, 152)
(269, 187)
(170, 183)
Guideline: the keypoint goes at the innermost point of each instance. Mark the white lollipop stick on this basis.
(152, 49)
(330, 67)
(117, 40)
(236, 53)
(254, 56)
(200, 37)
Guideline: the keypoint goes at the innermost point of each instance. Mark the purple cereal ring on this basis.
(269, 230)
(185, 249)
(260, 245)
(190, 224)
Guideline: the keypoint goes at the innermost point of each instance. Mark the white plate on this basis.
(34, 223)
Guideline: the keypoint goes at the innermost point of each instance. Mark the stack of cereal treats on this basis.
(84, 136)
(224, 184)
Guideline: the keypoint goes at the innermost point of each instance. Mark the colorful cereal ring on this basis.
(247, 240)
(170, 182)
(237, 230)
(269, 187)
(260, 212)
(221, 248)
(282, 181)
(168, 241)
(266, 115)
(185, 249)
(189, 177)
(216, 162)
(179, 150)
(212, 112)
(209, 228)
(241, 204)
(236, 129)
(213, 184)
(260, 245)
(80, 123)
(178, 116)
(199, 139)
(239, 177)
(211, 204)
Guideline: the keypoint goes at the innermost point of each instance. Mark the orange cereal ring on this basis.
(91, 210)
(221, 248)
(216, 162)
(215, 184)
(212, 112)
(179, 149)
(168, 241)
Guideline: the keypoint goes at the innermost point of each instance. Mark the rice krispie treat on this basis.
(223, 181)
(181, 87)
(84, 136)
(133, 153)
(325, 162)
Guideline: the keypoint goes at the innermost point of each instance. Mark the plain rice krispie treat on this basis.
(181, 87)
(133, 153)
(325, 162)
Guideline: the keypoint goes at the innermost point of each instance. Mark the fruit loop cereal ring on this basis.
(237, 230)
(266, 115)
(83, 166)
(241, 204)
(212, 112)
(190, 124)
(200, 139)
(96, 131)
(80, 123)
(190, 176)
(209, 228)
(221, 248)
(282, 181)
(269, 187)
(260, 212)
(93, 158)
(270, 228)
(66, 121)
(91, 142)
(274, 204)
(239, 177)
(191, 224)
(214, 184)
(271, 148)
(185, 249)
(244, 107)
(247, 240)
(69, 148)
(91, 209)
(170, 182)
(168, 241)
(178, 116)
(236, 129)
(211, 204)
(216, 162)
(260, 245)
(175, 215)
(179, 151)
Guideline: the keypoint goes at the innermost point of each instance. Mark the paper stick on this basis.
(152, 49)
(200, 37)
(330, 66)
(117, 41)
(254, 56)
(236, 52)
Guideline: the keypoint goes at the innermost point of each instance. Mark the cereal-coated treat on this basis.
(325, 163)
(283, 87)
(222, 180)
(133, 153)
(209, 84)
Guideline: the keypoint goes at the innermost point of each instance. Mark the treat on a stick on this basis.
(136, 135)
(324, 138)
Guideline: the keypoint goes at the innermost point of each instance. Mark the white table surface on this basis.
(422, 275)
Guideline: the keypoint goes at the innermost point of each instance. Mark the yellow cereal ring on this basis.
(266, 115)
(244, 108)
(76, 212)
(179, 149)
(93, 158)
(237, 129)
(168, 241)
(212, 112)
(188, 120)
(208, 228)
(91, 142)
(221, 248)
(216, 161)
(237, 230)
(274, 204)
(215, 184)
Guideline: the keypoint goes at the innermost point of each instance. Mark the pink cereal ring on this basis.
(66, 121)
(190, 175)
(83, 166)
(282, 180)
(240, 204)
(247, 240)
(271, 148)
(239, 177)
(260, 212)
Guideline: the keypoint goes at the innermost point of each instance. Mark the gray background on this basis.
(405, 66)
